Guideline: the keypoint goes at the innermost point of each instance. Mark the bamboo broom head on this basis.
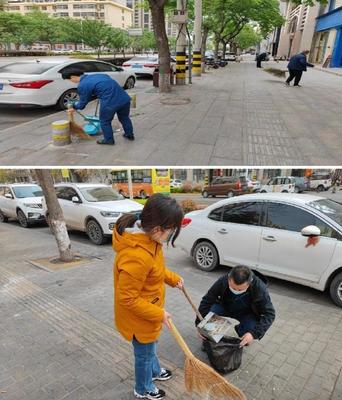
(202, 379)
(76, 129)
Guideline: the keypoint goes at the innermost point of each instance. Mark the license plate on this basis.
(1, 86)
(137, 66)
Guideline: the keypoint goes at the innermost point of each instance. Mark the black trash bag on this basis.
(224, 356)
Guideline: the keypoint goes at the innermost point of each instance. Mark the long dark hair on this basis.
(159, 210)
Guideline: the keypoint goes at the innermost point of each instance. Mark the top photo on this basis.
(177, 83)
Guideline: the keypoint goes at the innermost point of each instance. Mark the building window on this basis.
(293, 25)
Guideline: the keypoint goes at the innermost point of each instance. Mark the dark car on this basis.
(226, 186)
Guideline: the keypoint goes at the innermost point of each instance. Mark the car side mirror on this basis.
(8, 196)
(75, 199)
(311, 230)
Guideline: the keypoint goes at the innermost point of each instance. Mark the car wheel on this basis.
(230, 194)
(296, 189)
(206, 256)
(284, 191)
(95, 232)
(320, 188)
(336, 289)
(130, 83)
(143, 194)
(68, 96)
(263, 191)
(22, 219)
(205, 194)
(3, 217)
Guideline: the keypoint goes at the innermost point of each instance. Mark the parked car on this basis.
(40, 83)
(144, 66)
(230, 57)
(320, 182)
(176, 183)
(283, 184)
(253, 186)
(92, 208)
(271, 233)
(226, 186)
(301, 184)
(22, 202)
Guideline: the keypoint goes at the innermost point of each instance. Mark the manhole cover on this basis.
(175, 102)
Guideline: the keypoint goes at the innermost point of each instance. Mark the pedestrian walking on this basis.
(140, 275)
(113, 100)
(261, 57)
(242, 295)
(296, 66)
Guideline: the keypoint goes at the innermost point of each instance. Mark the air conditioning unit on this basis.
(179, 17)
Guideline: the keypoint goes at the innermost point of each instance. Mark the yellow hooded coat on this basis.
(139, 290)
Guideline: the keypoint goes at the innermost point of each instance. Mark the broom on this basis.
(201, 378)
(76, 129)
(276, 72)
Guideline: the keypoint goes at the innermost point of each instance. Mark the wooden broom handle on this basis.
(199, 316)
(179, 339)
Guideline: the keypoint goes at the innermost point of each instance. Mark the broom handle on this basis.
(179, 339)
(199, 316)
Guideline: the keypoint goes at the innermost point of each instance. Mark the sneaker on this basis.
(287, 83)
(102, 141)
(298, 85)
(165, 375)
(129, 137)
(158, 394)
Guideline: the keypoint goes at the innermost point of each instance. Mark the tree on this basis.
(16, 29)
(96, 34)
(55, 215)
(71, 31)
(158, 18)
(118, 40)
(247, 37)
(48, 28)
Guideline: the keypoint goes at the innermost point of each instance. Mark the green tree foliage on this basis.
(247, 37)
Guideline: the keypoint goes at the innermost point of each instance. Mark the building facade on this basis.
(299, 28)
(327, 43)
(114, 13)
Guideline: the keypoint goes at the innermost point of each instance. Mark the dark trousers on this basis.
(107, 114)
(297, 75)
(258, 63)
(247, 321)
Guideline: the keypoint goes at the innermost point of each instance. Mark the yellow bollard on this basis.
(133, 100)
(61, 133)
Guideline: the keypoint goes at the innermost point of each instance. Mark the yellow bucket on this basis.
(133, 100)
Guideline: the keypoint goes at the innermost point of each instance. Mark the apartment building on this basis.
(114, 13)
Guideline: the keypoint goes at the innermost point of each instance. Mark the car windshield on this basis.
(330, 208)
(94, 194)
(27, 191)
(27, 68)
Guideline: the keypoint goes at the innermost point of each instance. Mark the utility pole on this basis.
(180, 47)
(197, 54)
(130, 184)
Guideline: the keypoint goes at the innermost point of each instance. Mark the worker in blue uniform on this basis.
(113, 100)
(296, 67)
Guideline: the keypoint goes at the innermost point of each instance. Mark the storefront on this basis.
(331, 23)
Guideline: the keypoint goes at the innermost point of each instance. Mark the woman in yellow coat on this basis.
(140, 275)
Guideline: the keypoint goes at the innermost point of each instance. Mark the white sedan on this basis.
(288, 236)
(40, 82)
(144, 65)
(92, 208)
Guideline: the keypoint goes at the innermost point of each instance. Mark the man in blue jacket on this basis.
(241, 295)
(113, 100)
(296, 66)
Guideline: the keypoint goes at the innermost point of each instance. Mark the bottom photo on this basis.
(171, 283)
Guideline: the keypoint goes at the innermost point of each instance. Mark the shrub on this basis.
(187, 187)
(197, 188)
(188, 206)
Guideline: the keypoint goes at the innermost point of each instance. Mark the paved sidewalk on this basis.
(57, 340)
(238, 115)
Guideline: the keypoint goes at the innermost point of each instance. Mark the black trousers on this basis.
(258, 63)
(297, 75)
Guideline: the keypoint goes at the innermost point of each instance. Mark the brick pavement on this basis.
(236, 116)
(57, 340)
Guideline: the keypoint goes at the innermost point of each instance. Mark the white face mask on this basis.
(237, 292)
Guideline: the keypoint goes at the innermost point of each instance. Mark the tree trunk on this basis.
(56, 218)
(98, 52)
(217, 44)
(158, 19)
(224, 50)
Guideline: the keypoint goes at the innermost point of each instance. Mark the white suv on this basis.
(92, 208)
(22, 202)
(320, 182)
(280, 184)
